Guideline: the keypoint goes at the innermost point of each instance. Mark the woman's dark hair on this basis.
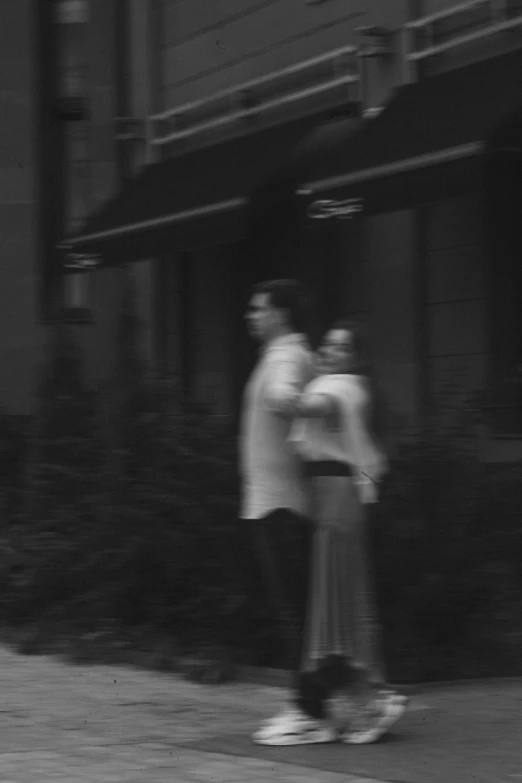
(377, 420)
(289, 295)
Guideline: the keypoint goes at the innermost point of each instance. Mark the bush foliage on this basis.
(120, 527)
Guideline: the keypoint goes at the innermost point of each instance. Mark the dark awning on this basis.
(441, 125)
(192, 200)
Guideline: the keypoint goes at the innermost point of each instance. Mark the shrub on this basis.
(129, 509)
(120, 526)
(447, 544)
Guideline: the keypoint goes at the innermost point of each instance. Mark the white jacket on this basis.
(350, 441)
(272, 478)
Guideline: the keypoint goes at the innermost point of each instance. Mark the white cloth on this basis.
(349, 441)
(270, 468)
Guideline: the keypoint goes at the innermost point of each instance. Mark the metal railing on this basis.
(498, 17)
(245, 100)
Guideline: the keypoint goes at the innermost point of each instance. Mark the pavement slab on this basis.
(106, 724)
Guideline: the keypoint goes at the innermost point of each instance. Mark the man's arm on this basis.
(288, 373)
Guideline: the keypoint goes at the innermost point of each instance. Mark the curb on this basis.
(271, 678)
(282, 678)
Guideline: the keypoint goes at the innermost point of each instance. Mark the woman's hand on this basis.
(368, 488)
(314, 406)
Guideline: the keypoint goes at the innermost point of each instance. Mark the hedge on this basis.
(120, 532)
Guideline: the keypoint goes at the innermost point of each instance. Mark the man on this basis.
(270, 470)
(274, 493)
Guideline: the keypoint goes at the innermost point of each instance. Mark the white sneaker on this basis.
(281, 716)
(293, 727)
(383, 713)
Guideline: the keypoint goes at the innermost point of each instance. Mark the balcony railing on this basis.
(455, 27)
(423, 38)
(318, 76)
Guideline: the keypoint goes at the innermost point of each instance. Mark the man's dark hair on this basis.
(289, 295)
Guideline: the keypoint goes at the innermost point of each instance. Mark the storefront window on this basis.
(504, 207)
(331, 265)
(210, 338)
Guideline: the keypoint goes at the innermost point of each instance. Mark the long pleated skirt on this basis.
(342, 617)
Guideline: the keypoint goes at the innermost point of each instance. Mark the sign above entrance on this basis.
(325, 209)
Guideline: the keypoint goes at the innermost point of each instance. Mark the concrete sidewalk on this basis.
(101, 723)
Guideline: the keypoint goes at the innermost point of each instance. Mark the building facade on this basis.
(21, 337)
(213, 133)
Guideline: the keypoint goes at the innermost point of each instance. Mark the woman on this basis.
(336, 434)
(337, 438)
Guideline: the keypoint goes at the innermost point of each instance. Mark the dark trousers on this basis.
(282, 542)
(313, 689)
(282, 546)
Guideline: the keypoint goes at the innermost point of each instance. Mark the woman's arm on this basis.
(371, 463)
(316, 406)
